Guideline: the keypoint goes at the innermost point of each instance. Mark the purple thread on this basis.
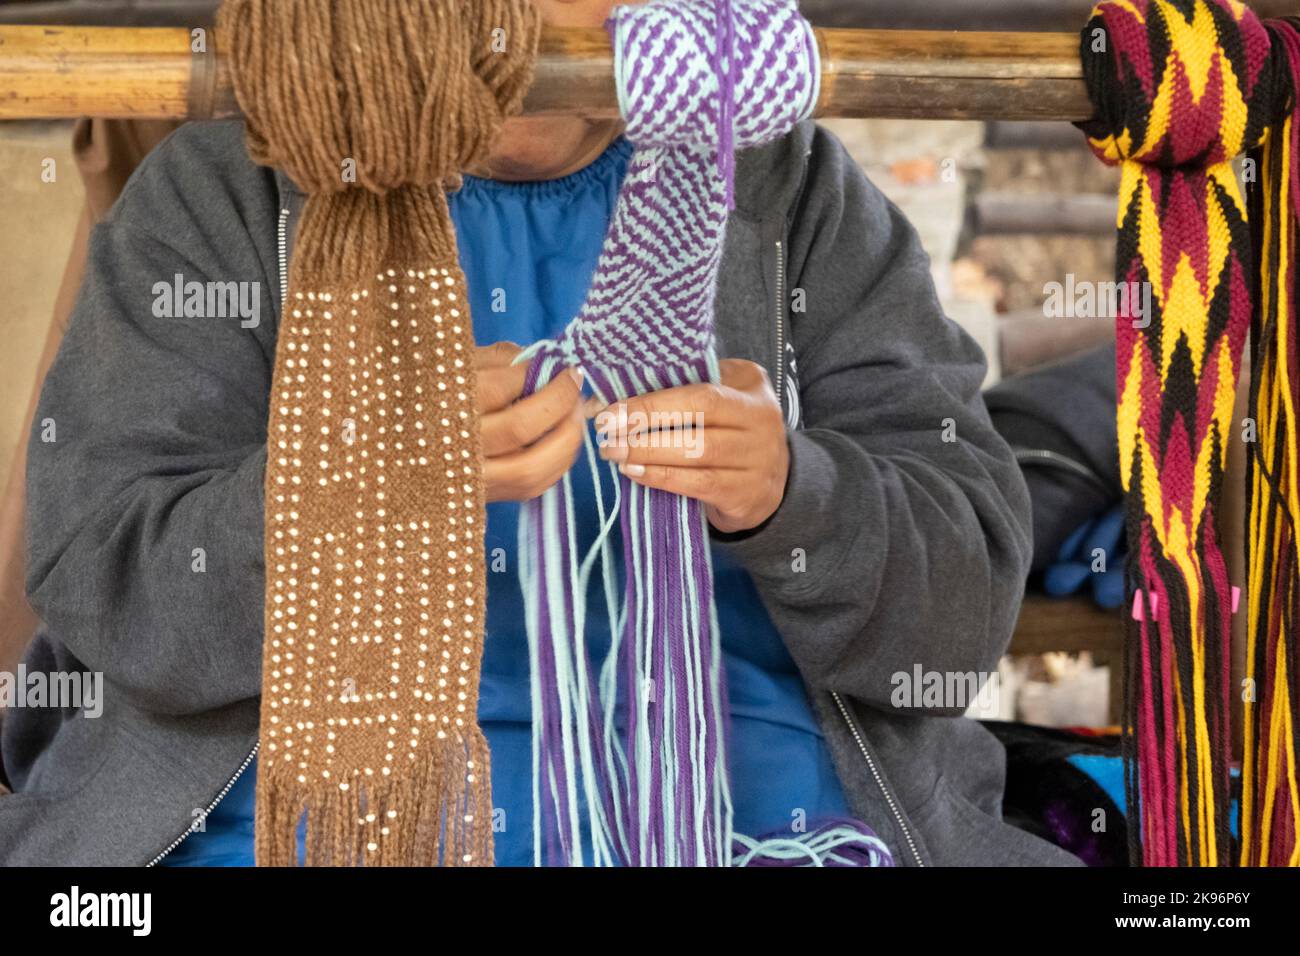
(648, 317)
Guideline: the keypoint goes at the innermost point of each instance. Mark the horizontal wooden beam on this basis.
(1074, 625)
(1028, 134)
(151, 73)
(112, 13)
(1028, 339)
(1010, 15)
(1043, 214)
(1048, 15)
(1070, 624)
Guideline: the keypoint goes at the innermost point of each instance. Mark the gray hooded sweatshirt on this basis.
(900, 548)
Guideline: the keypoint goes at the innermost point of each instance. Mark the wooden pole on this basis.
(1012, 15)
(151, 73)
(1043, 214)
(1045, 15)
(1013, 134)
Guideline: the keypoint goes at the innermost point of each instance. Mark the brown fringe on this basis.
(443, 817)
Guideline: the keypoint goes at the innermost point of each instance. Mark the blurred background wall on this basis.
(39, 218)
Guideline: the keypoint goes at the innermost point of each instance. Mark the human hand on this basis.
(528, 443)
(723, 444)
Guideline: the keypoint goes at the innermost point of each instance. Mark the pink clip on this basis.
(1138, 612)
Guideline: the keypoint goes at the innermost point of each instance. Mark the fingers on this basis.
(496, 355)
(528, 443)
(714, 404)
(689, 447)
(743, 375)
(733, 499)
(722, 444)
(527, 473)
(524, 422)
(499, 382)
(709, 485)
(727, 404)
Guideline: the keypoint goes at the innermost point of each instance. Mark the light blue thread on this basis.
(818, 848)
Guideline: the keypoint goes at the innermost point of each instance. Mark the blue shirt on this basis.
(528, 251)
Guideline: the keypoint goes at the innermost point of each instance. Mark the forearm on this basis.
(161, 588)
(148, 451)
(875, 563)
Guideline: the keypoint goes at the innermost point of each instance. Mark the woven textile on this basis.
(1181, 87)
(374, 492)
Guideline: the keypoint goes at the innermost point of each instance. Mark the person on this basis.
(867, 520)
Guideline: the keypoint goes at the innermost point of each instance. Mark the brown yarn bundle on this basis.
(374, 500)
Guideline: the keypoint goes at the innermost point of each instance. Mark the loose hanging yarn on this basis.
(1270, 795)
(374, 494)
(658, 793)
(1181, 87)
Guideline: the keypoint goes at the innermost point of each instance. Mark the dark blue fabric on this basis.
(528, 251)
(1108, 773)
(1076, 563)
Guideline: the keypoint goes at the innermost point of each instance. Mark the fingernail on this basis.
(576, 373)
(633, 471)
(591, 406)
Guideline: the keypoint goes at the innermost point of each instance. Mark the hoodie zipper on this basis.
(282, 254)
(875, 772)
(839, 702)
(282, 248)
(780, 323)
(211, 806)
(1044, 456)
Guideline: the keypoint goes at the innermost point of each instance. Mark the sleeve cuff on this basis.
(807, 517)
